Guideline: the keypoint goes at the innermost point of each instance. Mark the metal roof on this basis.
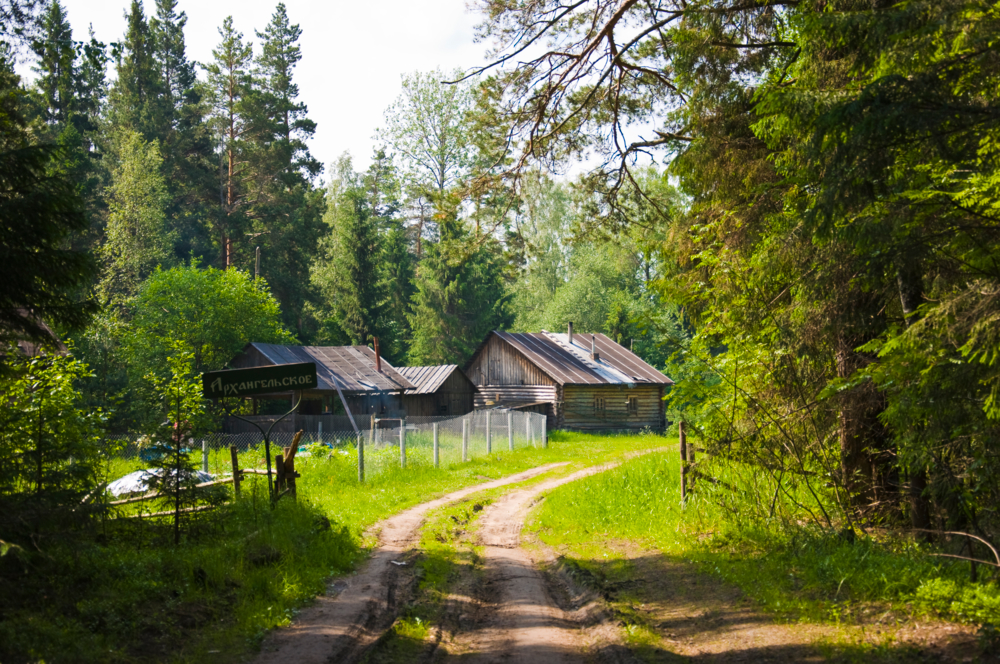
(428, 380)
(353, 366)
(571, 364)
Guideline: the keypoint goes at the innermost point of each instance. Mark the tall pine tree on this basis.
(230, 87)
(286, 209)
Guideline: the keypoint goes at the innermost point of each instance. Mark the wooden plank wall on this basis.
(455, 397)
(500, 364)
(578, 411)
(513, 395)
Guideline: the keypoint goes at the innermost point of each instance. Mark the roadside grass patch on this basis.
(795, 570)
(124, 593)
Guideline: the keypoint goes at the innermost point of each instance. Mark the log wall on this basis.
(579, 409)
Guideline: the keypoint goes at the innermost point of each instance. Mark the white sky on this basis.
(353, 53)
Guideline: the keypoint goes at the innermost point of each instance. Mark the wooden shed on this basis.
(370, 385)
(440, 390)
(582, 382)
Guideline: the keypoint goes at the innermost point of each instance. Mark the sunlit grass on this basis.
(793, 567)
(245, 568)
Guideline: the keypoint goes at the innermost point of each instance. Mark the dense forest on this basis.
(793, 212)
(209, 223)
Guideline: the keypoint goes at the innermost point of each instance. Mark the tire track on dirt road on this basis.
(522, 624)
(355, 609)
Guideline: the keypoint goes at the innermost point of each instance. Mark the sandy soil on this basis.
(356, 609)
(520, 622)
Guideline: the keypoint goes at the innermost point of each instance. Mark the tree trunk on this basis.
(864, 440)
(910, 283)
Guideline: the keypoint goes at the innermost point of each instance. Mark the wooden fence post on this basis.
(527, 430)
(237, 474)
(290, 473)
(279, 469)
(545, 432)
(683, 439)
(204, 455)
(437, 450)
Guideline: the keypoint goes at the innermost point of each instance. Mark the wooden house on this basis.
(439, 391)
(369, 384)
(581, 382)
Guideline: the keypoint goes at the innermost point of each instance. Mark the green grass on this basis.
(797, 570)
(125, 594)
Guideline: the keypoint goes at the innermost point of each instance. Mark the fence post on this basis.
(204, 455)
(319, 433)
(683, 439)
(237, 475)
(510, 430)
(402, 443)
(527, 430)
(361, 458)
(437, 450)
(465, 439)
(489, 432)
(545, 432)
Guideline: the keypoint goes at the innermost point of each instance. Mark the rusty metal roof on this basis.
(572, 364)
(428, 380)
(353, 366)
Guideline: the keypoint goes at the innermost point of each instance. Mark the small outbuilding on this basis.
(439, 390)
(369, 384)
(582, 382)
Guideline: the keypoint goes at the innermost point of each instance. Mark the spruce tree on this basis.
(58, 78)
(187, 147)
(348, 273)
(460, 292)
(137, 101)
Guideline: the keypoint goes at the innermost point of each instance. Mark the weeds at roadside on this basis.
(798, 573)
(126, 596)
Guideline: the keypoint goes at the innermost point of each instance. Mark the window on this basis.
(633, 405)
(598, 405)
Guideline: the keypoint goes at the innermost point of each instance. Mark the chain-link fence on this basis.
(477, 434)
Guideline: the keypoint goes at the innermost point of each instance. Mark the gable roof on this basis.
(571, 364)
(353, 366)
(428, 380)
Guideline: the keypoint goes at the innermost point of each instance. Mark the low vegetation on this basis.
(789, 566)
(121, 591)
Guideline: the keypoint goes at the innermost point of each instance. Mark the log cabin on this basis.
(440, 391)
(582, 382)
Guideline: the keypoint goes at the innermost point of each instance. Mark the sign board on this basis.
(259, 380)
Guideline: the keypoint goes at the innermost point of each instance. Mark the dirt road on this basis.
(522, 624)
(356, 609)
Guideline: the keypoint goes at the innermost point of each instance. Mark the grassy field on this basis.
(795, 570)
(127, 594)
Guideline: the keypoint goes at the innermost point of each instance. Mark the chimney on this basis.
(570, 333)
(594, 355)
(378, 358)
